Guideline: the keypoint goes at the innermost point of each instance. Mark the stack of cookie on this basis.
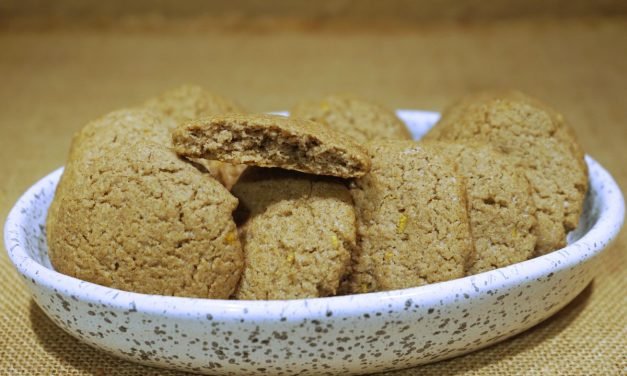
(188, 195)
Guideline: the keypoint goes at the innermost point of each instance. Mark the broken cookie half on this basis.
(272, 141)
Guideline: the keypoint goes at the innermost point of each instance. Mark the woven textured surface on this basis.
(54, 82)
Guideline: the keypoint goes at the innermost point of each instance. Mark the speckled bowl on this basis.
(348, 334)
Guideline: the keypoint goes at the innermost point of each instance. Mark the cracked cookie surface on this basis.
(361, 120)
(298, 234)
(112, 131)
(500, 207)
(140, 219)
(412, 220)
(539, 141)
(272, 141)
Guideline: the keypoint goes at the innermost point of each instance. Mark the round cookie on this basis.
(412, 219)
(298, 234)
(190, 102)
(361, 120)
(141, 219)
(539, 141)
(500, 206)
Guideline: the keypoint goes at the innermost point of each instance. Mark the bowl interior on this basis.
(34, 233)
(25, 239)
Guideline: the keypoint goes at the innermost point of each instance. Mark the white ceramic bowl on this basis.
(347, 334)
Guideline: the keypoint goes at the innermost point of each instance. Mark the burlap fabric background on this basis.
(54, 79)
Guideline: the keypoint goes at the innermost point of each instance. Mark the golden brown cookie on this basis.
(361, 120)
(412, 219)
(500, 207)
(140, 219)
(539, 141)
(191, 102)
(272, 141)
(298, 235)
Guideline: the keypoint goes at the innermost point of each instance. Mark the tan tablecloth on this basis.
(52, 82)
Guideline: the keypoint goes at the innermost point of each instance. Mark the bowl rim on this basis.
(605, 229)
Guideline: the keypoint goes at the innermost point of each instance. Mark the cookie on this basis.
(361, 120)
(413, 226)
(500, 207)
(141, 219)
(272, 141)
(298, 234)
(191, 102)
(539, 141)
